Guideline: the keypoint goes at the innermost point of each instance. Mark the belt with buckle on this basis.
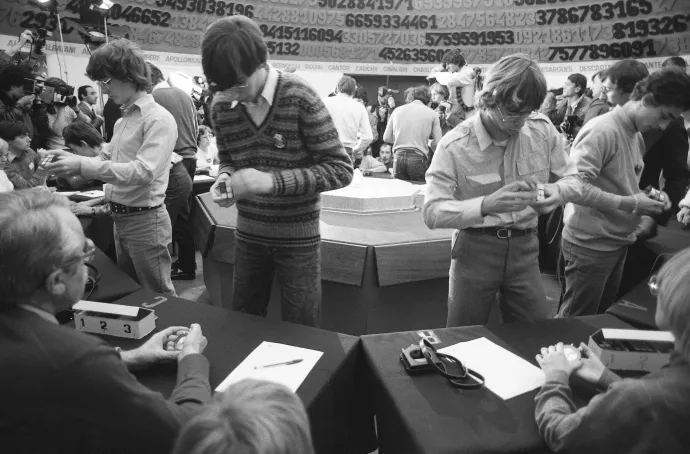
(500, 232)
(124, 209)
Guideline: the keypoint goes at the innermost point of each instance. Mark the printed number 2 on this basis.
(128, 329)
(104, 326)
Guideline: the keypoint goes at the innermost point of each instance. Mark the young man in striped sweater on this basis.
(278, 149)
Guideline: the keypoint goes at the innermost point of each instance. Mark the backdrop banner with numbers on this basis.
(396, 36)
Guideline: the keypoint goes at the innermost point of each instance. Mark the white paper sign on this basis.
(278, 363)
(506, 374)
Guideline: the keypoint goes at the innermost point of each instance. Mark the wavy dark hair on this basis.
(669, 86)
(625, 74)
(75, 132)
(120, 59)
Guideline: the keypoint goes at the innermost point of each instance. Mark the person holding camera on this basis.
(60, 114)
(65, 390)
(6, 55)
(16, 105)
(574, 105)
(602, 223)
(482, 181)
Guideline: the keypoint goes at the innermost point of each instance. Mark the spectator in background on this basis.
(620, 79)
(666, 154)
(23, 163)
(88, 98)
(135, 166)
(439, 97)
(460, 80)
(60, 114)
(482, 181)
(350, 118)
(549, 107)
(409, 130)
(5, 184)
(278, 149)
(15, 105)
(383, 110)
(252, 416)
(83, 140)
(382, 164)
(573, 104)
(599, 104)
(644, 415)
(207, 151)
(111, 113)
(178, 195)
(601, 224)
(361, 97)
(43, 252)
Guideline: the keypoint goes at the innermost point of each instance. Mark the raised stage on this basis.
(383, 270)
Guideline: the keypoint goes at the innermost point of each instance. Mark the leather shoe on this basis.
(179, 275)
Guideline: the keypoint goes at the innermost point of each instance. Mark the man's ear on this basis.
(83, 144)
(55, 284)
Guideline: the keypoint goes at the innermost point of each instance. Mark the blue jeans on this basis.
(141, 243)
(592, 278)
(299, 276)
(481, 266)
(410, 164)
(178, 200)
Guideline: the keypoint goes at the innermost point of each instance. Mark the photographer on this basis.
(60, 114)
(7, 54)
(15, 105)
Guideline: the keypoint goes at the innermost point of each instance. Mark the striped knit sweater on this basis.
(299, 144)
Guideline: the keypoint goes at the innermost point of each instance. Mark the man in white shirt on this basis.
(350, 118)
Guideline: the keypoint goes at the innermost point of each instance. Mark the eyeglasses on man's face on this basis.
(105, 84)
(87, 255)
(512, 116)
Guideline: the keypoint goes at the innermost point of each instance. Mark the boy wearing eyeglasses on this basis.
(278, 149)
(135, 165)
(483, 182)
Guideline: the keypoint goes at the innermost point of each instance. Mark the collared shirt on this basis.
(352, 122)
(259, 110)
(136, 162)
(468, 165)
(47, 316)
(23, 170)
(411, 126)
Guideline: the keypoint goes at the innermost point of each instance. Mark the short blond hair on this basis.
(514, 82)
(252, 416)
(674, 297)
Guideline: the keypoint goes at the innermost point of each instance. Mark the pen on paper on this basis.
(286, 363)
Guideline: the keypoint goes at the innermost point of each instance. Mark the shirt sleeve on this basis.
(563, 170)
(225, 163)
(388, 136)
(605, 425)
(153, 157)
(441, 209)
(332, 168)
(37, 178)
(134, 410)
(461, 78)
(589, 153)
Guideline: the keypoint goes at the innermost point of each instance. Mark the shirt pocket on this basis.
(534, 167)
(481, 184)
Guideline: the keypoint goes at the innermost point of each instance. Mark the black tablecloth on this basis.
(341, 417)
(113, 283)
(425, 414)
(637, 307)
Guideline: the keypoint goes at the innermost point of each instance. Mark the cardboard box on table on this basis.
(633, 350)
(114, 319)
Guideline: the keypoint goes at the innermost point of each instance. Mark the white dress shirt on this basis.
(351, 121)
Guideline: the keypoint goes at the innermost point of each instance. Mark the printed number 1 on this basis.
(82, 323)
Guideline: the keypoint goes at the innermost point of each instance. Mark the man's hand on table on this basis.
(513, 197)
(195, 342)
(592, 368)
(684, 215)
(155, 349)
(552, 359)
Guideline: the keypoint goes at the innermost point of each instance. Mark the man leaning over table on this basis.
(482, 182)
(63, 391)
(135, 165)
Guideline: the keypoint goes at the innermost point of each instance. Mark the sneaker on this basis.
(174, 266)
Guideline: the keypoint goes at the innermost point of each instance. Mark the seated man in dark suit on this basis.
(66, 391)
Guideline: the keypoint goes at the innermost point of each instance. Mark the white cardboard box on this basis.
(114, 319)
(628, 349)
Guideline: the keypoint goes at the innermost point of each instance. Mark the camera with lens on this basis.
(568, 127)
(48, 93)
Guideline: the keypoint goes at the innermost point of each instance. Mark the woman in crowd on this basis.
(60, 114)
(646, 415)
(252, 416)
(207, 152)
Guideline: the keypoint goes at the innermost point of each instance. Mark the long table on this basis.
(425, 414)
(340, 414)
(114, 283)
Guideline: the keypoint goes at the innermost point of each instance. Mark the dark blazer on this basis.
(62, 391)
(667, 152)
(111, 113)
(96, 122)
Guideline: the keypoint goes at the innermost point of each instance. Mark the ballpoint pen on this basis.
(286, 363)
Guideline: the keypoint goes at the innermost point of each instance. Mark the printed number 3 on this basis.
(128, 329)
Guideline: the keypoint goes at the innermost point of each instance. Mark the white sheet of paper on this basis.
(290, 375)
(506, 374)
(203, 178)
